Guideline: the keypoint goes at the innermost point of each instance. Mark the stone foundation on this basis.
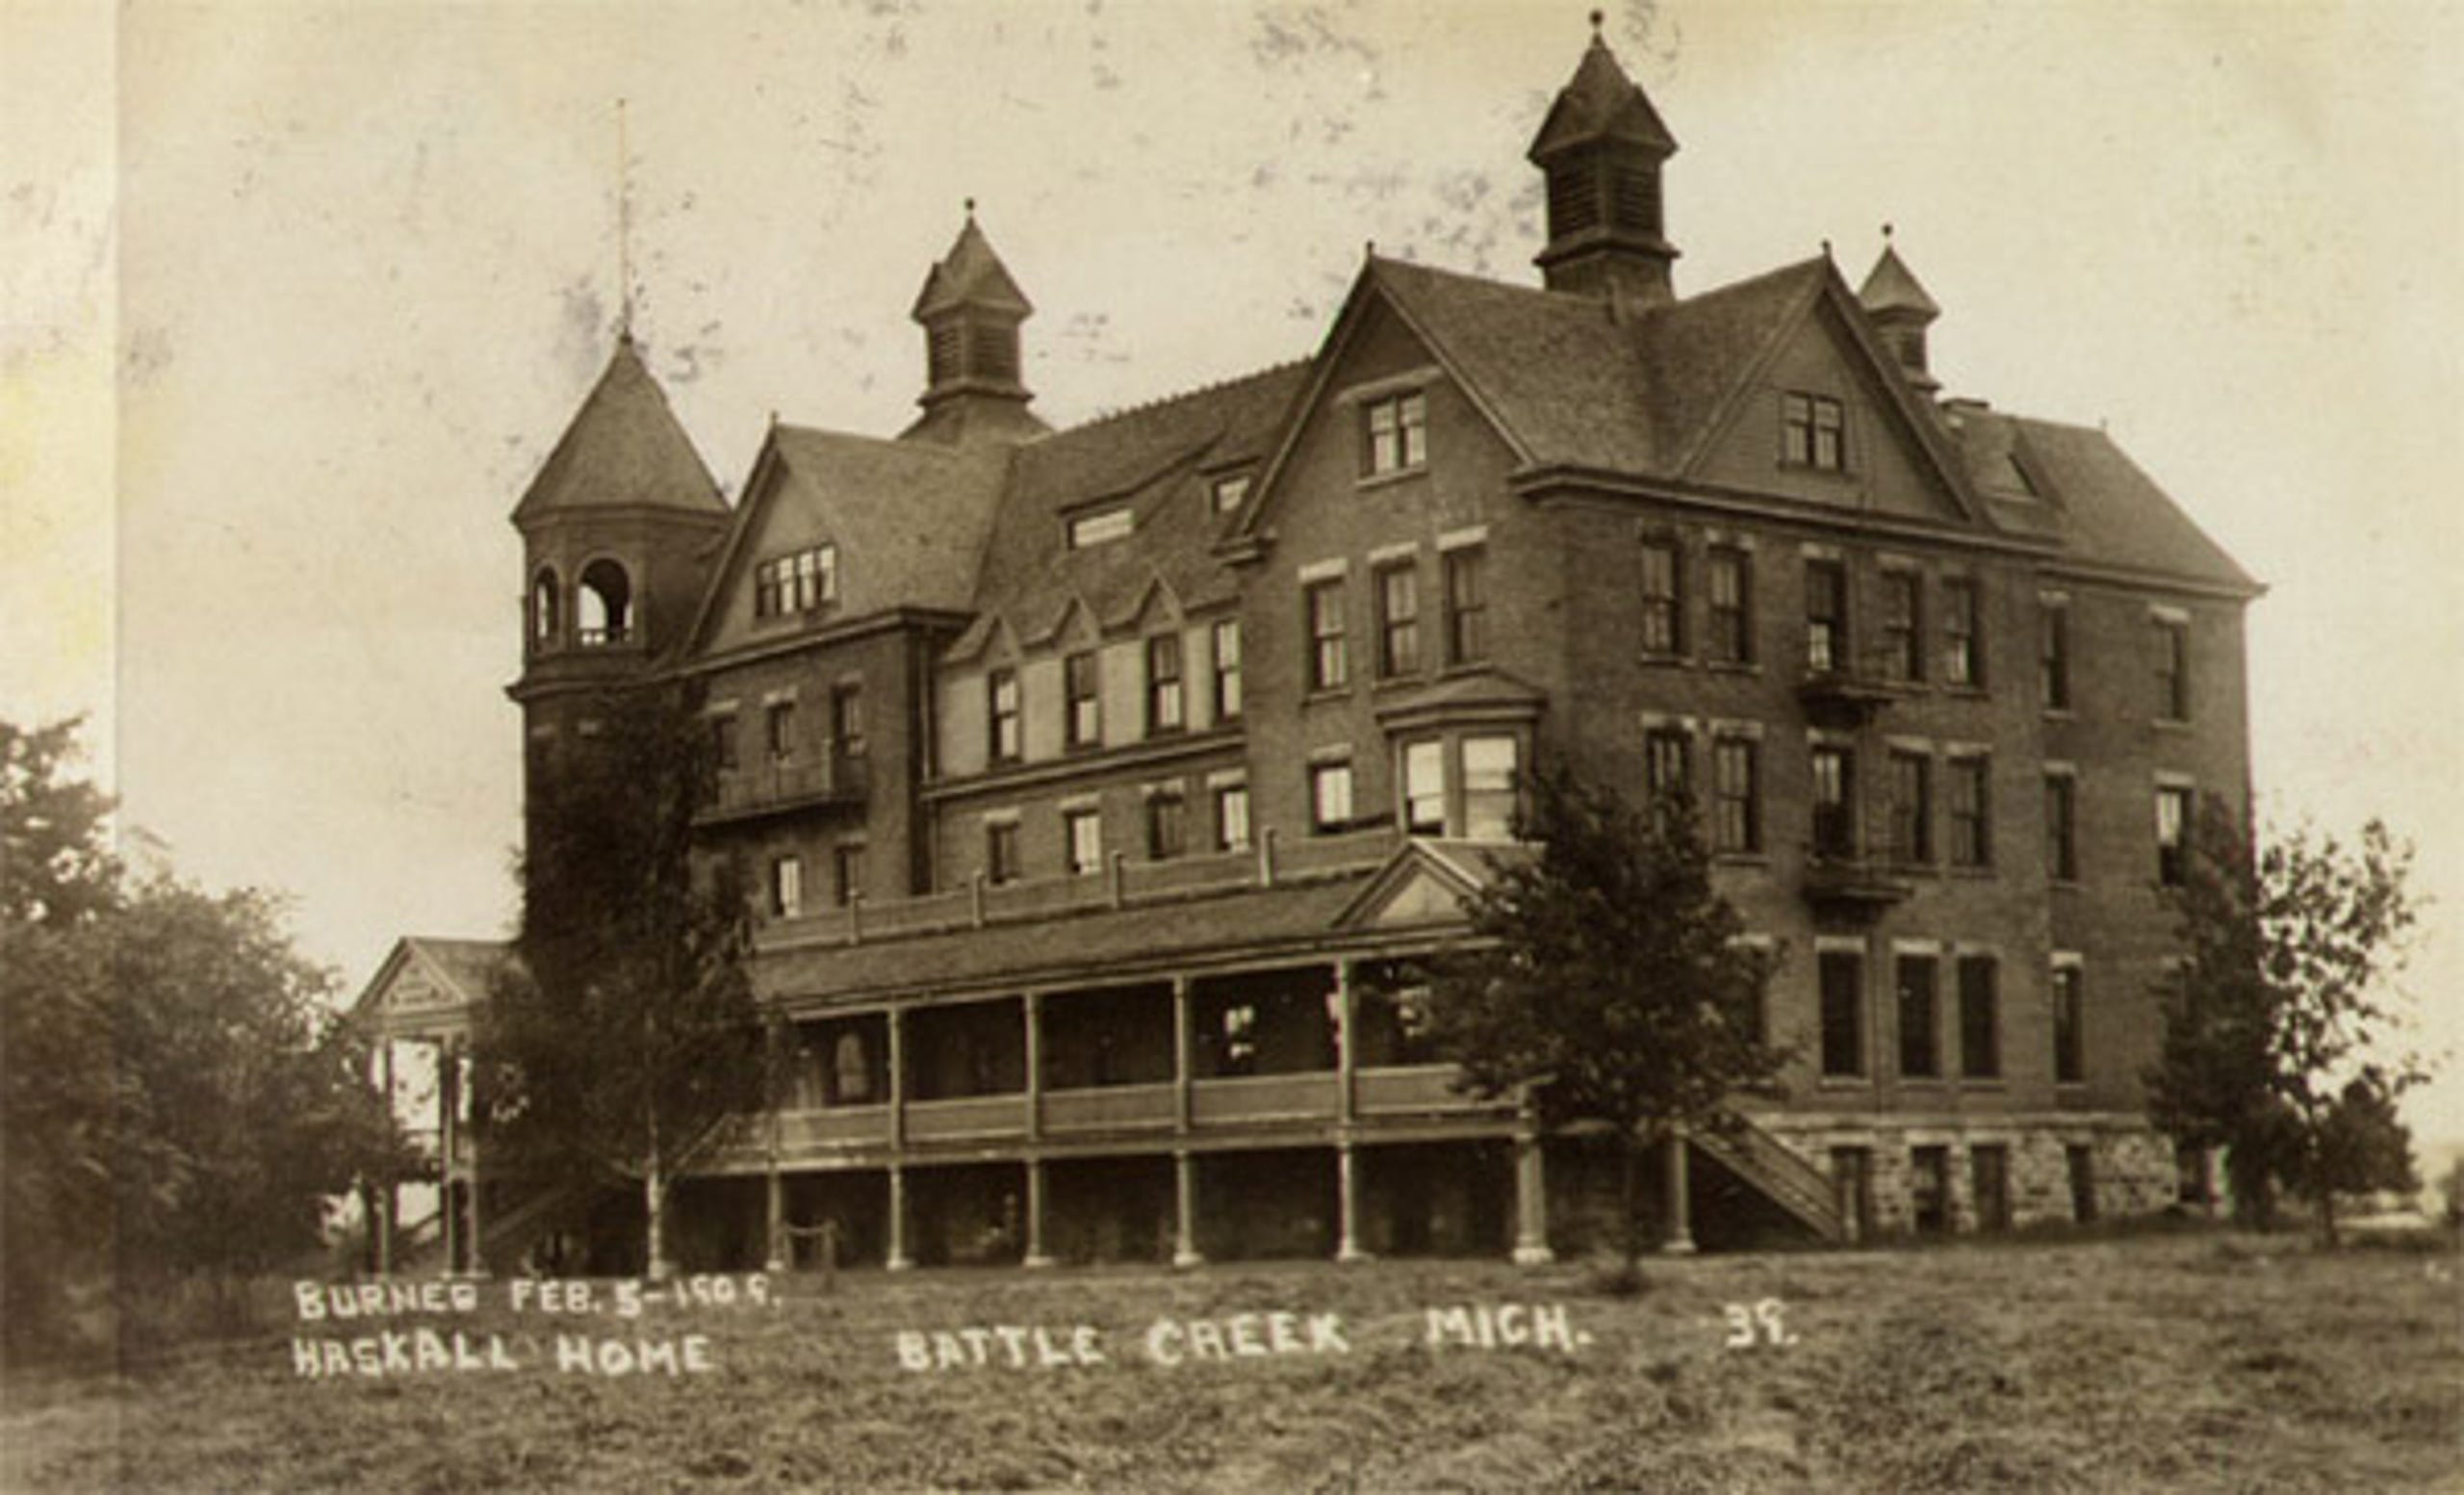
(2129, 1168)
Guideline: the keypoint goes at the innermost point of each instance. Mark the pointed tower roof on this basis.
(972, 275)
(624, 450)
(1600, 103)
(1892, 286)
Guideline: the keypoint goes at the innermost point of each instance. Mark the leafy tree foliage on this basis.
(2274, 1021)
(1606, 974)
(178, 1094)
(624, 1042)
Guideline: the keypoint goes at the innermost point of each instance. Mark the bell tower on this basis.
(1601, 149)
(617, 531)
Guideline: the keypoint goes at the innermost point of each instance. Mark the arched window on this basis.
(606, 604)
(547, 607)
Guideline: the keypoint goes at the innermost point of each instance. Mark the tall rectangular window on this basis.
(1083, 834)
(1082, 696)
(1814, 432)
(1329, 667)
(1164, 709)
(2062, 827)
(2053, 654)
(1663, 599)
(2172, 670)
(1963, 633)
(778, 729)
(1971, 838)
(2069, 1029)
(1835, 823)
(1489, 787)
(1911, 809)
(723, 750)
(1329, 798)
(1394, 434)
(1736, 817)
(1226, 637)
(1467, 639)
(1399, 621)
(1232, 818)
(2173, 835)
(786, 887)
(847, 719)
(1903, 626)
(1006, 740)
(1729, 579)
(1665, 751)
(1425, 787)
(1990, 1184)
(1167, 829)
(1826, 616)
(1919, 1047)
(1001, 851)
(850, 859)
(1980, 1018)
(1842, 977)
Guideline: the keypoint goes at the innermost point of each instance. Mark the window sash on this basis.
(1226, 637)
(1662, 623)
(1232, 818)
(1425, 787)
(2053, 656)
(2062, 828)
(1912, 817)
(1841, 979)
(1980, 1018)
(1081, 685)
(1920, 1054)
(1490, 790)
(1730, 580)
(1082, 831)
(1826, 616)
(1398, 625)
(1008, 741)
(1972, 845)
(1959, 656)
(1330, 668)
(1329, 797)
(1164, 705)
(1466, 606)
(1903, 635)
(2070, 1013)
(1001, 852)
(1735, 824)
(1166, 827)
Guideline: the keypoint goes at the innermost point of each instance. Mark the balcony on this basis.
(1112, 1108)
(1849, 697)
(1422, 1090)
(1305, 1097)
(781, 785)
(975, 1118)
(1851, 882)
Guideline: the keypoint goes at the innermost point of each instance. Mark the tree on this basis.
(1607, 975)
(624, 1040)
(177, 1094)
(2275, 1017)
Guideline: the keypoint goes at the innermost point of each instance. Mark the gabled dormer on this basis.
(970, 310)
(1601, 149)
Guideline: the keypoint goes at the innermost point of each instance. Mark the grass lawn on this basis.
(2197, 1362)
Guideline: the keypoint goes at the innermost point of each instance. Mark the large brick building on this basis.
(1102, 782)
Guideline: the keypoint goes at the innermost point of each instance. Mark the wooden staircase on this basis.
(1779, 1173)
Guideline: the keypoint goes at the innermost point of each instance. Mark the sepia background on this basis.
(294, 299)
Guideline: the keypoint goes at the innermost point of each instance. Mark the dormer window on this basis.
(1101, 526)
(805, 581)
(1814, 432)
(1228, 491)
(1394, 434)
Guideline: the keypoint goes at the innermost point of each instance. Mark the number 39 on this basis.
(1758, 1324)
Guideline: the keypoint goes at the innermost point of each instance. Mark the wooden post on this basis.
(1530, 1198)
(895, 1258)
(390, 1199)
(448, 1166)
(1185, 1252)
(777, 1254)
(1346, 1205)
(829, 1255)
(1034, 1255)
(1182, 1059)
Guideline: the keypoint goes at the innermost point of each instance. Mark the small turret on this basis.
(970, 311)
(1901, 311)
(1602, 148)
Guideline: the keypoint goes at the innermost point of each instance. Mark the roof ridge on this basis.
(1213, 387)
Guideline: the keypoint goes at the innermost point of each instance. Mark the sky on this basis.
(295, 298)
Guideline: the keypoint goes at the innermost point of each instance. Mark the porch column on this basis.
(390, 1198)
(1182, 1062)
(478, 1260)
(1032, 1007)
(1346, 1205)
(1531, 1202)
(1680, 1239)
(894, 1255)
(894, 1258)
(1346, 1053)
(448, 1166)
(1185, 1210)
(1036, 1256)
(775, 1256)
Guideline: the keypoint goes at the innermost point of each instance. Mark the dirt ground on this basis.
(2187, 1363)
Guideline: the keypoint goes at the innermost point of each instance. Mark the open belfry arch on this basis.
(1109, 785)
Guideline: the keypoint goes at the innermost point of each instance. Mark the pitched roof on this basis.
(1154, 459)
(624, 448)
(1701, 351)
(1892, 286)
(1600, 103)
(2115, 512)
(970, 274)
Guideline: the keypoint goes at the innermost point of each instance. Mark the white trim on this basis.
(1403, 383)
(1463, 539)
(1901, 945)
(1228, 779)
(1006, 815)
(2067, 960)
(1816, 550)
(1090, 800)
(2060, 768)
(1331, 570)
(2170, 779)
(1330, 753)
(2165, 612)
(779, 695)
(1401, 550)
(1922, 746)
(1833, 944)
